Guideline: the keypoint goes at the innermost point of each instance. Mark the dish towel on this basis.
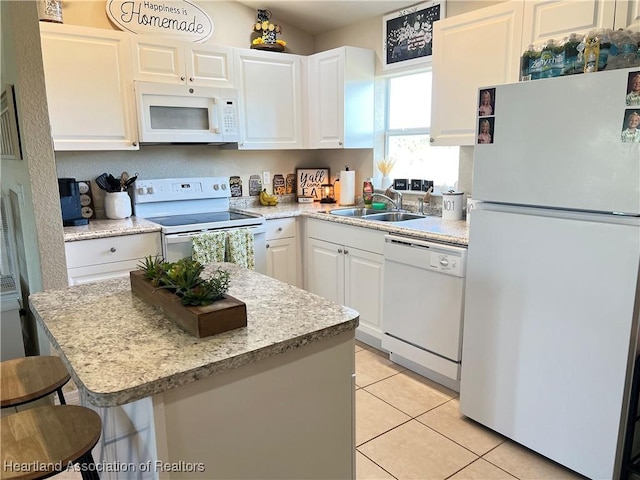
(240, 247)
(209, 247)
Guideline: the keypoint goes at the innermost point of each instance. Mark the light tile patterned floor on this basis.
(408, 427)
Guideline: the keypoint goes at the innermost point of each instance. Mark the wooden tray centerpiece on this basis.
(199, 306)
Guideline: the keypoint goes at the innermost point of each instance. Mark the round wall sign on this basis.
(177, 19)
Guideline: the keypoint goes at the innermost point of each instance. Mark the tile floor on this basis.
(408, 427)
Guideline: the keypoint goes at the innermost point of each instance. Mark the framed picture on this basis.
(309, 182)
(408, 34)
(10, 137)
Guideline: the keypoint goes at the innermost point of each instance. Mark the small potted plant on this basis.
(204, 308)
(184, 280)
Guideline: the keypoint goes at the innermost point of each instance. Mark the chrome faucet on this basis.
(389, 199)
(398, 196)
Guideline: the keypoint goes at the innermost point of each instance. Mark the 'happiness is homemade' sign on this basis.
(178, 19)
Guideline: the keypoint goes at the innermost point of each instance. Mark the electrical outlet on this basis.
(266, 178)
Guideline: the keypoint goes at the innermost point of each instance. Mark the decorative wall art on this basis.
(309, 182)
(408, 34)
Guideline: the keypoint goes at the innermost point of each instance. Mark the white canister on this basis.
(452, 205)
(117, 205)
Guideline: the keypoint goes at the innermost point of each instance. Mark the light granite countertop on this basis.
(110, 228)
(118, 348)
(432, 227)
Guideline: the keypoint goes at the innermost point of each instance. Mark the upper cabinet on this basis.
(271, 91)
(471, 50)
(545, 19)
(341, 98)
(89, 88)
(483, 48)
(170, 61)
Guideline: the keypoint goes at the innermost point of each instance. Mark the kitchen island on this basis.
(272, 400)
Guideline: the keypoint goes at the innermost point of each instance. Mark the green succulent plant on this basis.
(184, 279)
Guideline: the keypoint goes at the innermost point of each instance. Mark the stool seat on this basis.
(30, 378)
(44, 440)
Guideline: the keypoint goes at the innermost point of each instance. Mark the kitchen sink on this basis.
(393, 217)
(353, 212)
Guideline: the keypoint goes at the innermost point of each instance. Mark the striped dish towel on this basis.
(209, 247)
(240, 247)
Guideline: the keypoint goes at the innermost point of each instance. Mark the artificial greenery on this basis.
(183, 278)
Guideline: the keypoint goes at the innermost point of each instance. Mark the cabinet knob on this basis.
(135, 144)
(340, 143)
(112, 249)
(191, 79)
(182, 79)
(346, 251)
(431, 140)
(279, 229)
(339, 250)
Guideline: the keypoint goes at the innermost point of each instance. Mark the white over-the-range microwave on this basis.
(170, 113)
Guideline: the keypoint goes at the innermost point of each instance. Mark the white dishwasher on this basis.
(423, 306)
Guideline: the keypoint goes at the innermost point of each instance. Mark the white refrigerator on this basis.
(552, 298)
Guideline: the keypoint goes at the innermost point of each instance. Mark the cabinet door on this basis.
(326, 99)
(281, 260)
(556, 19)
(470, 51)
(209, 65)
(88, 78)
(627, 14)
(100, 273)
(270, 87)
(157, 60)
(325, 270)
(363, 273)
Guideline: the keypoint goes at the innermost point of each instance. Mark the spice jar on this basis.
(50, 11)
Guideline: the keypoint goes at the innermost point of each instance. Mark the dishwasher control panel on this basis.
(446, 263)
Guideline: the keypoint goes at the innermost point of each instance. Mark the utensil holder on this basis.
(117, 205)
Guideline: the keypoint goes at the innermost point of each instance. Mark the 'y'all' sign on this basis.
(177, 19)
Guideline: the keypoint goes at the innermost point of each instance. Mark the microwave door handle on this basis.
(215, 115)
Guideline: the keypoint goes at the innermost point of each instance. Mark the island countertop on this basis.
(119, 349)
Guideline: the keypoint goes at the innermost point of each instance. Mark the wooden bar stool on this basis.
(30, 378)
(41, 442)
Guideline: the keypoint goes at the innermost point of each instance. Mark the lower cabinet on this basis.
(102, 259)
(345, 264)
(282, 251)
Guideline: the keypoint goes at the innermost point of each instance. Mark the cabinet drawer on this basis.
(98, 251)
(281, 228)
(348, 235)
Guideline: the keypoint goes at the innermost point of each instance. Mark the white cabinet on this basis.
(158, 60)
(556, 19)
(271, 92)
(627, 14)
(341, 98)
(345, 264)
(471, 50)
(483, 47)
(89, 88)
(106, 258)
(283, 262)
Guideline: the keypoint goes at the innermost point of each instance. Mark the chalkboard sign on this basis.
(408, 34)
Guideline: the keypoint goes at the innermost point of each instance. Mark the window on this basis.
(407, 134)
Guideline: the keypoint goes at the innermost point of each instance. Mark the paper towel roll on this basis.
(347, 187)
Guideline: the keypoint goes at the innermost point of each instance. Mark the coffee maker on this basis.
(70, 203)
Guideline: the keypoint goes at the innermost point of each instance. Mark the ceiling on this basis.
(318, 16)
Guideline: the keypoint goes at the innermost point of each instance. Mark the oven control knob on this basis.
(150, 190)
(216, 186)
(223, 186)
(141, 191)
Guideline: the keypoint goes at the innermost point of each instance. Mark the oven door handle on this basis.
(186, 237)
